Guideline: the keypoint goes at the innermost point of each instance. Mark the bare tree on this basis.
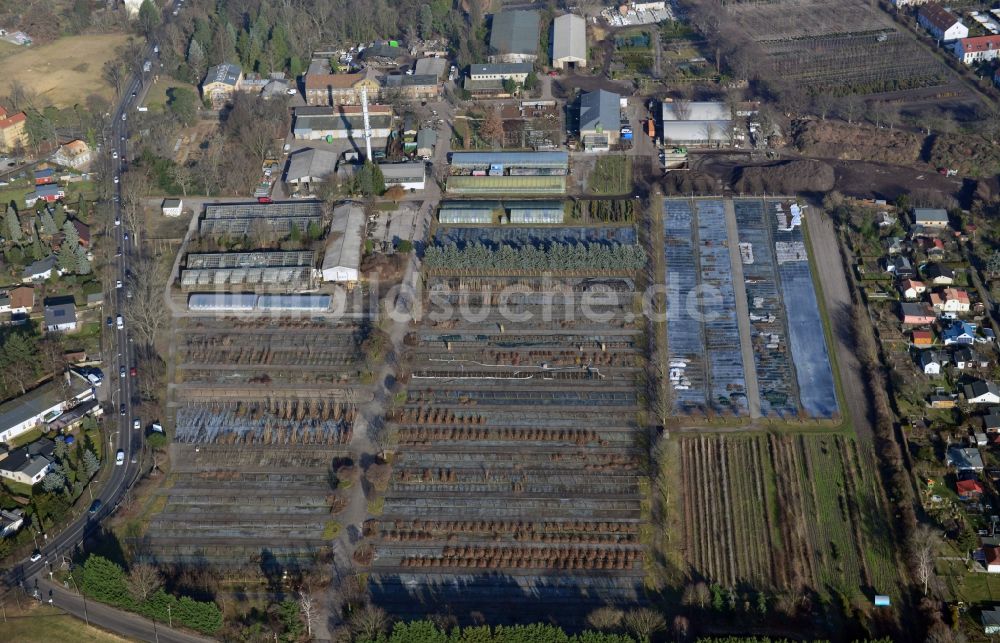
(605, 618)
(681, 627)
(682, 108)
(492, 129)
(368, 622)
(924, 545)
(135, 188)
(644, 623)
(146, 309)
(308, 609)
(143, 580)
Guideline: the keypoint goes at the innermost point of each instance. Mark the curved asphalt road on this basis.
(32, 576)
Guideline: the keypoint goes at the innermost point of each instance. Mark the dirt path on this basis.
(836, 294)
(742, 312)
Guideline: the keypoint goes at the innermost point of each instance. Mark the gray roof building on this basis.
(569, 41)
(436, 67)
(965, 459)
(40, 267)
(60, 315)
(310, 166)
(514, 35)
(426, 140)
(342, 261)
(499, 70)
(930, 216)
(226, 73)
(600, 111)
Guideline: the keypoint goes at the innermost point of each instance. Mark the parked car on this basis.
(35, 556)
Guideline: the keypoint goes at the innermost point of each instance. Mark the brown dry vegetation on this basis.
(790, 177)
(971, 154)
(857, 142)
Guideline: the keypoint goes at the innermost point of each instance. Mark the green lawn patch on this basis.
(612, 175)
(331, 530)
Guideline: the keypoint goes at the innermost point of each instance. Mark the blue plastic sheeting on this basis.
(805, 327)
(775, 372)
(514, 236)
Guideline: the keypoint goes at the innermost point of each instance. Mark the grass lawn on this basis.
(612, 175)
(66, 71)
(157, 96)
(45, 623)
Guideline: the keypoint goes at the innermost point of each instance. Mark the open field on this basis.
(49, 624)
(516, 485)
(850, 47)
(158, 94)
(64, 72)
(809, 512)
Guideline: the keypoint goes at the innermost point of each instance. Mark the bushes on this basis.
(428, 632)
(104, 580)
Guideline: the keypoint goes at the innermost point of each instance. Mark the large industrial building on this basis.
(569, 42)
(409, 176)
(492, 212)
(342, 261)
(343, 122)
(697, 124)
(237, 219)
(600, 120)
(491, 173)
(514, 37)
(287, 271)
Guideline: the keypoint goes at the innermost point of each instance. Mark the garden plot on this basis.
(769, 332)
(537, 236)
(516, 487)
(807, 509)
(814, 375)
(234, 506)
(705, 367)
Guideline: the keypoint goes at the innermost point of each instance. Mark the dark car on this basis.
(96, 506)
(110, 322)
(122, 409)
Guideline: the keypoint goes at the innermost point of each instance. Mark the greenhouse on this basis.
(540, 212)
(468, 212)
(507, 184)
(486, 160)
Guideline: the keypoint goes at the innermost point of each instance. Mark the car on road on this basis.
(121, 372)
(291, 92)
(118, 220)
(121, 409)
(126, 236)
(120, 457)
(111, 322)
(123, 116)
(35, 556)
(134, 94)
(118, 252)
(95, 506)
(114, 155)
(118, 284)
(116, 179)
(132, 371)
(136, 424)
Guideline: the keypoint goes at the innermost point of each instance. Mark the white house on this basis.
(60, 317)
(517, 72)
(27, 464)
(930, 217)
(931, 362)
(39, 270)
(912, 289)
(172, 207)
(342, 261)
(980, 48)
(44, 403)
(941, 23)
(952, 300)
(410, 176)
(982, 392)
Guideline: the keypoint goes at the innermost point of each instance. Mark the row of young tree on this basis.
(141, 590)
(550, 257)
(429, 632)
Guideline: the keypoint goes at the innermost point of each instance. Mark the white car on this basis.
(124, 116)
(118, 283)
(120, 457)
(135, 424)
(118, 221)
(114, 155)
(291, 92)
(36, 556)
(116, 180)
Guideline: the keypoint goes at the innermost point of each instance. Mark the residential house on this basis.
(343, 122)
(172, 207)
(894, 245)
(412, 87)
(941, 400)
(39, 270)
(900, 267)
(912, 289)
(24, 413)
(569, 42)
(10, 522)
(514, 37)
(959, 332)
(982, 392)
(930, 217)
(384, 55)
(221, 83)
(931, 362)
(44, 176)
(934, 248)
(426, 140)
(75, 154)
(991, 421)
(4, 303)
(13, 131)
(341, 89)
(922, 338)
(916, 314)
(952, 300)
(409, 176)
(310, 167)
(977, 49)
(964, 459)
(968, 489)
(942, 24)
(990, 618)
(60, 317)
(600, 120)
(938, 274)
(965, 357)
(22, 300)
(28, 464)
(48, 192)
(82, 232)
(991, 558)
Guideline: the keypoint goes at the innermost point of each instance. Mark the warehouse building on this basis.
(697, 124)
(237, 219)
(514, 37)
(342, 261)
(343, 122)
(437, 67)
(569, 42)
(600, 120)
(409, 176)
(310, 167)
(259, 270)
(490, 212)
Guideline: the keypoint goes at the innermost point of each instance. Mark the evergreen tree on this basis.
(59, 214)
(49, 227)
(67, 258)
(71, 236)
(54, 480)
(196, 56)
(37, 252)
(12, 227)
(90, 464)
(83, 266)
(60, 449)
(426, 21)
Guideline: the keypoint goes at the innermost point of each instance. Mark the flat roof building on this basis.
(535, 160)
(342, 261)
(342, 122)
(569, 41)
